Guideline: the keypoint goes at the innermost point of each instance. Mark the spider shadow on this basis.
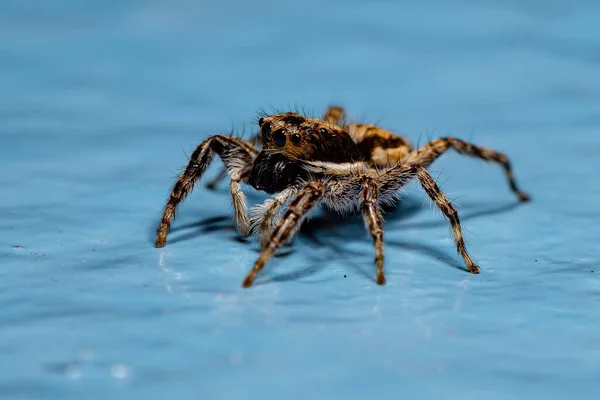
(347, 229)
(223, 223)
(366, 270)
(408, 208)
(226, 223)
(477, 212)
(353, 228)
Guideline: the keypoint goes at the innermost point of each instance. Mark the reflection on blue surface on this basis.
(99, 103)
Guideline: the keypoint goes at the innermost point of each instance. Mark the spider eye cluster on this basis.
(279, 137)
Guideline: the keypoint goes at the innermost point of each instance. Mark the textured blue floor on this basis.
(100, 100)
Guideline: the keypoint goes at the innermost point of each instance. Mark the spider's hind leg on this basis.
(427, 154)
(237, 156)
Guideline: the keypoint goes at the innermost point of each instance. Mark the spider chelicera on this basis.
(305, 162)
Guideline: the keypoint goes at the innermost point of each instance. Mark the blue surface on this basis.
(100, 100)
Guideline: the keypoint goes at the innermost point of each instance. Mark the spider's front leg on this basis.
(237, 156)
(264, 217)
(340, 196)
(309, 196)
(427, 154)
(223, 172)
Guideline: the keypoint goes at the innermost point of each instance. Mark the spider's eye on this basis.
(323, 131)
(266, 131)
(295, 138)
(260, 121)
(279, 137)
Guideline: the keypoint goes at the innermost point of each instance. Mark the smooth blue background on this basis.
(100, 101)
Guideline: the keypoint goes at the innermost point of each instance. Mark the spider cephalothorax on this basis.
(305, 162)
(287, 138)
(301, 138)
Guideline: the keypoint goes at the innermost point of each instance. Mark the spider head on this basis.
(301, 138)
(283, 131)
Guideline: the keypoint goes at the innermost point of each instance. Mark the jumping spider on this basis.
(305, 162)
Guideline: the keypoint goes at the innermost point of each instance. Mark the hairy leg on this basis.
(308, 197)
(264, 217)
(335, 115)
(372, 217)
(427, 154)
(383, 187)
(254, 141)
(446, 207)
(236, 155)
(238, 199)
(394, 178)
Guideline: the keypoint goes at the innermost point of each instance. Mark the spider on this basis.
(305, 162)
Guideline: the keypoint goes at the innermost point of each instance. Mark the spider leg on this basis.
(309, 196)
(238, 199)
(394, 178)
(335, 115)
(212, 184)
(265, 217)
(372, 217)
(440, 200)
(427, 154)
(237, 156)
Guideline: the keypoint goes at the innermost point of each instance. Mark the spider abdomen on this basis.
(382, 147)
